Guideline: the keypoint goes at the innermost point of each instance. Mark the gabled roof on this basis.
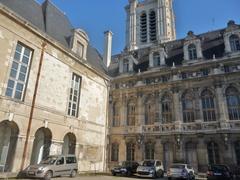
(50, 20)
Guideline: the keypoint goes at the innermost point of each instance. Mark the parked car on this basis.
(53, 166)
(151, 168)
(126, 168)
(219, 172)
(182, 171)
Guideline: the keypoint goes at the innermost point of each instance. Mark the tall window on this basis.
(131, 114)
(116, 119)
(149, 113)
(192, 52)
(80, 49)
(143, 27)
(115, 152)
(125, 65)
(208, 106)
(188, 108)
(156, 59)
(74, 96)
(17, 81)
(167, 108)
(149, 150)
(233, 102)
(130, 151)
(234, 43)
(152, 26)
(237, 151)
(213, 153)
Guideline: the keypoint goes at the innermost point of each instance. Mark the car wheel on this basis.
(73, 173)
(160, 173)
(48, 175)
(114, 174)
(129, 173)
(169, 178)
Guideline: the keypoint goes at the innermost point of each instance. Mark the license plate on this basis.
(31, 173)
(117, 170)
(217, 174)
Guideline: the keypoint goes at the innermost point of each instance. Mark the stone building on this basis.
(174, 100)
(53, 89)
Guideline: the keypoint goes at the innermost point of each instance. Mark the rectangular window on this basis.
(74, 96)
(19, 72)
(80, 49)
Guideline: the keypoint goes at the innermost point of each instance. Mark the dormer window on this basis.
(125, 65)
(80, 43)
(156, 59)
(234, 43)
(192, 52)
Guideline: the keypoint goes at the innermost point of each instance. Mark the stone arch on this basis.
(69, 144)
(41, 145)
(9, 132)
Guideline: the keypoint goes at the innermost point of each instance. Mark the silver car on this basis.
(150, 168)
(53, 166)
(183, 171)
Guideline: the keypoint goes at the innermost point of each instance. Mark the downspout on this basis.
(107, 128)
(44, 44)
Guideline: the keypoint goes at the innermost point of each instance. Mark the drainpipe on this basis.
(44, 44)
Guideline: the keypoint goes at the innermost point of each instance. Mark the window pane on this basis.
(18, 95)
(13, 73)
(9, 92)
(25, 60)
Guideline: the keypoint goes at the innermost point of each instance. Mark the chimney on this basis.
(107, 48)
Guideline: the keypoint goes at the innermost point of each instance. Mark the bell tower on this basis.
(149, 22)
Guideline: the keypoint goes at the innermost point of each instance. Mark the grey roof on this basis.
(50, 20)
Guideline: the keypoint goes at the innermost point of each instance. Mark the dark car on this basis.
(126, 168)
(219, 172)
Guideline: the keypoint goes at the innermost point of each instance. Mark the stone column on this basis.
(221, 105)
(123, 112)
(151, 60)
(202, 155)
(140, 110)
(162, 57)
(158, 149)
(176, 108)
(133, 24)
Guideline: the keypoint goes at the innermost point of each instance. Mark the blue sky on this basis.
(96, 16)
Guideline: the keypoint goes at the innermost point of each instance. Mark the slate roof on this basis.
(211, 43)
(50, 20)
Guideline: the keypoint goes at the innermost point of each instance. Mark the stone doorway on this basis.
(191, 155)
(69, 144)
(8, 140)
(41, 145)
(168, 155)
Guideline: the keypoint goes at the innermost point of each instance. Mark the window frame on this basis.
(189, 114)
(167, 110)
(71, 96)
(234, 41)
(233, 109)
(192, 52)
(114, 152)
(20, 64)
(208, 106)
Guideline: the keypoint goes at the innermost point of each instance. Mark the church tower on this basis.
(149, 22)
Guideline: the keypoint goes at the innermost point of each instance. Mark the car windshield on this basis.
(126, 163)
(49, 160)
(148, 163)
(178, 166)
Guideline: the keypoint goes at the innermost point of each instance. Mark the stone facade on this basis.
(53, 129)
(178, 101)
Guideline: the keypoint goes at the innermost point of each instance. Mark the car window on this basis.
(149, 163)
(189, 167)
(158, 163)
(178, 166)
(60, 161)
(218, 168)
(71, 160)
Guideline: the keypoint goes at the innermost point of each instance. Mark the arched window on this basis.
(167, 108)
(208, 106)
(125, 65)
(237, 151)
(143, 27)
(116, 118)
(213, 153)
(152, 26)
(234, 43)
(156, 59)
(115, 152)
(131, 114)
(192, 52)
(149, 112)
(149, 150)
(188, 108)
(233, 102)
(130, 151)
